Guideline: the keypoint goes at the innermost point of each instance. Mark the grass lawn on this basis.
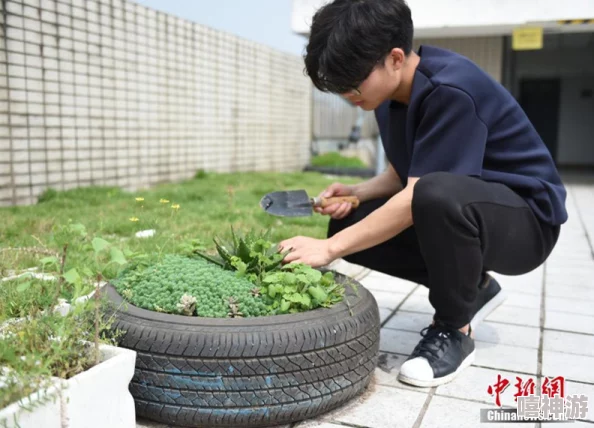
(335, 159)
(77, 238)
(208, 206)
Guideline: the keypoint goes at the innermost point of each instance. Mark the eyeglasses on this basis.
(354, 91)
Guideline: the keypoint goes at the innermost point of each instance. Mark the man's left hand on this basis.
(310, 251)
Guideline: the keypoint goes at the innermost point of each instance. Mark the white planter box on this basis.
(96, 398)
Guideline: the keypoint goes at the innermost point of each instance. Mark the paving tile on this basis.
(571, 267)
(144, 423)
(577, 249)
(385, 277)
(569, 292)
(583, 255)
(579, 424)
(574, 306)
(572, 281)
(518, 316)
(387, 286)
(522, 300)
(398, 341)
(444, 412)
(410, 321)
(422, 291)
(571, 366)
(571, 236)
(573, 249)
(569, 343)
(418, 303)
(569, 322)
(384, 407)
(330, 417)
(505, 357)
(384, 313)
(530, 282)
(586, 208)
(505, 334)
(349, 269)
(472, 384)
(387, 300)
(571, 271)
(577, 275)
(381, 282)
(317, 424)
(578, 242)
(387, 370)
(574, 388)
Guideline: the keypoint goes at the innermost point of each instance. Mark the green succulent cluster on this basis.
(190, 286)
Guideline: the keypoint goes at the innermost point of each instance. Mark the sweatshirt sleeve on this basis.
(450, 136)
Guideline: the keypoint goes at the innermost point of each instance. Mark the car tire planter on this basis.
(249, 372)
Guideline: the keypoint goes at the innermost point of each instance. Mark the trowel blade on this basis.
(290, 203)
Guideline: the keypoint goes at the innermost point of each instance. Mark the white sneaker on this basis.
(439, 357)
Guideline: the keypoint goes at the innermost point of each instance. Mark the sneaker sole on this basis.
(489, 307)
(439, 381)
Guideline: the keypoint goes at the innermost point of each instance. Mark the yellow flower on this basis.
(139, 199)
(175, 206)
(164, 201)
(133, 218)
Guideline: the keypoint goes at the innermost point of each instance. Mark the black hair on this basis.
(349, 37)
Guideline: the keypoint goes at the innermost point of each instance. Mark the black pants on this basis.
(462, 228)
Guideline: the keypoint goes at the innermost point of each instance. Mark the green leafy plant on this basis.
(291, 288)
(298, 287)
(22, 295)
(251, 254)
(41, 290)
(102, 257)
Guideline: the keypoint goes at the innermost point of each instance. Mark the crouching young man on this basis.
(470, 186)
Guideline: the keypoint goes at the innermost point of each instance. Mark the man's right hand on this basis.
(341, 210)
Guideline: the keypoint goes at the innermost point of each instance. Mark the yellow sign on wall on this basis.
(524, 39)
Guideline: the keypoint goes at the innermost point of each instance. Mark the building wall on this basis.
(464, 18)
(486, 52)
(576, 124)
(563, 55)
(568, 57)
(110, 92)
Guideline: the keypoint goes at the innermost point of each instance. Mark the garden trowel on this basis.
(296, 203)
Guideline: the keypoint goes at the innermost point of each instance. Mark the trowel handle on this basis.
(324, 202)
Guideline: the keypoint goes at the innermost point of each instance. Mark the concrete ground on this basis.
(544, 328)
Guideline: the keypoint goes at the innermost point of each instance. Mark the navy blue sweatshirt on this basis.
(460, 120)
